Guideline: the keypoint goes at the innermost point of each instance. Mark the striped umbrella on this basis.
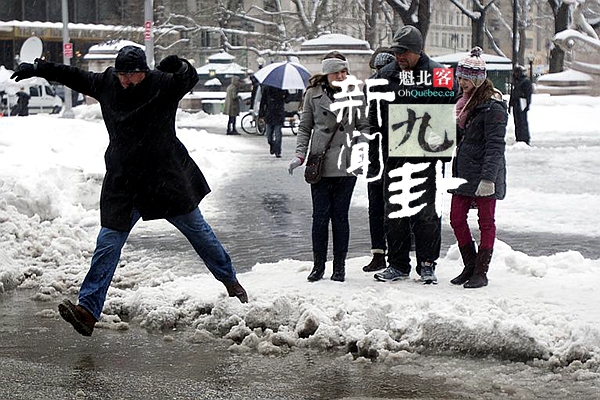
(283, 75)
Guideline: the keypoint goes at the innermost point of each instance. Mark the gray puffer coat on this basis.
(480, 152)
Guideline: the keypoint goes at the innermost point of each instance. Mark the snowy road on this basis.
(531, 334)
(263, 215)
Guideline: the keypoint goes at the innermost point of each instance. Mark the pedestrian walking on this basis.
(403, 76)
(232, 105)
(149, 173)
(22, 106)
(375, 188)
(331, 195)
(272, 110)
(481, 118)
(519, 102)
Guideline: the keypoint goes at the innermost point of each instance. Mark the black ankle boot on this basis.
(339, 267)
(377, 263)
(318, 267)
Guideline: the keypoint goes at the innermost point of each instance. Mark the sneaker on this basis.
(81, 319)
(234, 289)
(390, 274)
(428, 273)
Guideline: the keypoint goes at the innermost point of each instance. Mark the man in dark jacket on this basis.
(22, 109)
(375, 189)
(149, 173)
(519, 102)
(410, 79)
(272, 109)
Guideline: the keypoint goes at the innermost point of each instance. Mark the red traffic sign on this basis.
(68, 49)
(148, 30)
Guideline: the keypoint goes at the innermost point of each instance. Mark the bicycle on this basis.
(252, 124)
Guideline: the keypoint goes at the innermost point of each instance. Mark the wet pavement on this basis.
(41, 357)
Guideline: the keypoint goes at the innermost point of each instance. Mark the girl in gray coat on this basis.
(481, 118)
(332, 194)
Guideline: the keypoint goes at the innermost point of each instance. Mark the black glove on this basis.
(171, 64)
(23, 71)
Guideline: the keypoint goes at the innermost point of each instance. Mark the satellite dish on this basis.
(31, 49)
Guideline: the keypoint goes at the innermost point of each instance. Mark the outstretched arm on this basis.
(81, 81)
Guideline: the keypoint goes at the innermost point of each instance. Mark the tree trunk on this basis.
(477, 31)
(561, 22)
(371, 9)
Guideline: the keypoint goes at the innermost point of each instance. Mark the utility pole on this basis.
(515, 39)
(148, 34)
(67, 54)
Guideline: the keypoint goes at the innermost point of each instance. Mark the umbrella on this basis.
(283, 75)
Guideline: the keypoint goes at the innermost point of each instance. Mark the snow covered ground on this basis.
(543, 310)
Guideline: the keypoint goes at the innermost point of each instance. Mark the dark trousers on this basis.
(426, 225)
(377, 214)
(331, 202)
(521, 125)
(231, 124)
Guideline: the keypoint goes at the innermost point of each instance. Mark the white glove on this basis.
(296, 162)
(485, 188)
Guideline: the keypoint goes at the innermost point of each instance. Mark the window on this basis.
(205, 39)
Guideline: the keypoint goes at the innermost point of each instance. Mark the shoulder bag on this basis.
(314, 162)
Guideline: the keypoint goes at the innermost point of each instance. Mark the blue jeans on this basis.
(331, 202)
(273, 133)
(108, 251)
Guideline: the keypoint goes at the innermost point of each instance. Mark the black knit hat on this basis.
(131, 59)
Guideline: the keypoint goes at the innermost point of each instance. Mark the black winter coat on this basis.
(272, 105)
(480, 153)
(147, 167)
(391, 72)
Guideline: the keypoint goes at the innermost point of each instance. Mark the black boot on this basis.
(339, 267)
(469, 256)
(479, 278)
(377, 263)
(318, 268)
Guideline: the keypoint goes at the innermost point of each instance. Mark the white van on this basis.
(43, 96)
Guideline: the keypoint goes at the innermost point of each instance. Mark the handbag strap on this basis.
(335, 129)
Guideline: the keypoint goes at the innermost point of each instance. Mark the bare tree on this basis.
(262, 30)
(413, 12)
(477, 17)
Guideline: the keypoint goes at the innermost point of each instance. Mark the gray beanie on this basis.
(333, 65)
(407, 38)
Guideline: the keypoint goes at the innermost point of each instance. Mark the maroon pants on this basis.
(486, 209)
